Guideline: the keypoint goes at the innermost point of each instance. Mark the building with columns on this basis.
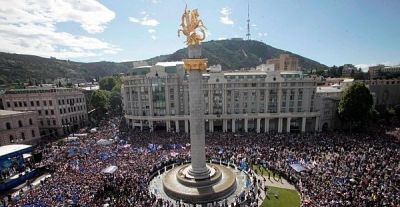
(235, 101)
(59, 111)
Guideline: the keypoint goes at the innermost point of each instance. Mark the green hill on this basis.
(231, 54)
(237, 53)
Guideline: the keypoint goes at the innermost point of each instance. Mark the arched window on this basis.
(23, 135)
(8, 125)
(30, 122)
(33, 133)
(19, 123)
(11, 139)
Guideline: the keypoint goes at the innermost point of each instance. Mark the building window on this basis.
(20, 123)
(37, 103)
(15, 104)
(25, 104)
(48, 122)
(8, 125)
(30, 122)
(8, 104)
(50, 103)
(11, 139)
(63, 102)
(44, 103)
(41, 122)
(23, 135)
(20, 104)
(60, 111)
(40, 112)
(33, 133)
(32, 103)
(46, 112)
(52, 112)
(54, 122)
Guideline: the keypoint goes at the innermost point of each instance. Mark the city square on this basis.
(221, 122)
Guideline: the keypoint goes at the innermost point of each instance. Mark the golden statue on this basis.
(191, 22)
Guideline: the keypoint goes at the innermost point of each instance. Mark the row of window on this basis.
(70, 101)
(72, 109)
(22, 137)
(32, 103)
(20, 124)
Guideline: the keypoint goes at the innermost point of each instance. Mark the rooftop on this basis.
(14, 149)
(328, 89)
(7, 112)
(169, 64)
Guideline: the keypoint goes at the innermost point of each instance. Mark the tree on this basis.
(101, 100)
(355, 104)
(107, 83)
(116, 102)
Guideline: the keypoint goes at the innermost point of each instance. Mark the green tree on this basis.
(101, 100)
(108, 83)
(355, 105)
(116, 102)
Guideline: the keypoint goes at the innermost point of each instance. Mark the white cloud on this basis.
(153, 37)
(222, 38)
(30, 27)
(262, 34)
(224, 18)
(151, 31)
(145, 20)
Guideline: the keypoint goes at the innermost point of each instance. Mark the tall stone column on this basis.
(303, 124)
(246, 125)
(233, 125)
(177, 126)
(195, 66)
(258, 125)
(288, 124)
(225, 125)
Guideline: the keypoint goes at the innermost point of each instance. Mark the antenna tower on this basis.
(248, 21)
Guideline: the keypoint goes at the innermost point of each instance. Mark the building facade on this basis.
(255, 100)
(284, 63)
(18, 127)
(381, 71)
(59, 111)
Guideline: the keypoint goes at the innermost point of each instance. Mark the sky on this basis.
(332, 32)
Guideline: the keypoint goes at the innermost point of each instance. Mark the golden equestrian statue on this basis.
(191, 22)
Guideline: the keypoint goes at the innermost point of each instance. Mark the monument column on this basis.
(303, 124)
(195, 65)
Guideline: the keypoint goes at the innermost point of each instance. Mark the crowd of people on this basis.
(339, 169)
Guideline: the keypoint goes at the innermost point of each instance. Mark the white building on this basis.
(59, 110)
(257, 100)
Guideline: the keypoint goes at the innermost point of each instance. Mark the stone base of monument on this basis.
(180, 185)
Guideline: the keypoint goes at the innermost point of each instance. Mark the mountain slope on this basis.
(236, 53)
(231, 54)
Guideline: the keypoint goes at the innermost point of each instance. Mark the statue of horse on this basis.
(190, 22)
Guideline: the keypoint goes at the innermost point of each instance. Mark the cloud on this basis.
(151, 31)
(153, 37)
(31, 28)
(222, 38)
(145, 20)
(224, 18)
(261, 34)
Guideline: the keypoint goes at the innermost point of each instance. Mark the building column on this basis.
(317, 124)
(303, 124)
(168, 124)
(258, 126)
(233, 125)
(141, 125)
(246, 123)
(177, 130)
(211, 125)
(280, 125)
(266, 125)
(224, 125)
(151, 126)
(288, 125)
(186, 126)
